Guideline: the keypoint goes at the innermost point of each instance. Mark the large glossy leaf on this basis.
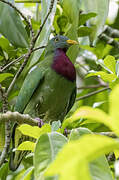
(100, 7)
(44, 36)
(47, 147)
(99, 168)
(36, 131)
(72, 160)
(16, 32)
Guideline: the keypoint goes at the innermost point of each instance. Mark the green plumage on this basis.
(44, 94)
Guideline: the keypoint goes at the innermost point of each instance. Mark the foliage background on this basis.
(91, 149)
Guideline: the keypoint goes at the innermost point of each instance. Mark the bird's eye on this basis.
(56, 39)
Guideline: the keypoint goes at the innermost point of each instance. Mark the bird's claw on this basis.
(40, 122)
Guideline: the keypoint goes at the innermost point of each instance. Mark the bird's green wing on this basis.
(72, 100)
(32, 81)
(30, 84)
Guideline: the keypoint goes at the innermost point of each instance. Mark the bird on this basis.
(49, 89)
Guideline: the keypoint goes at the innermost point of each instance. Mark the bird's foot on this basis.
(66, 132)
(40, 122)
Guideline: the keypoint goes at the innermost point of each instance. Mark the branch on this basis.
(114, 33)
(4, 99)
(92, 93)
(109, 40)
(19, 12)
(17, 117)
(7, 127)
(92, 86)
(41, 47)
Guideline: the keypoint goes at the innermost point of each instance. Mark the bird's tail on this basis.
(17, 156)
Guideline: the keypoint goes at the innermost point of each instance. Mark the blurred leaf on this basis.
(56, 125)
(113, 108)
(26, 146)
(28, 174)
(36, 131)
(4, 171)
(3, 76)
(45, 33)
(110, 62)
(74, 13)
(99, 168)
(62, 22)
(84, 31)
(78, 132)
(101, 9)
(16, 32)
(47, 147)
(94, 114)
(84, 17)
(84, 150)
(105, 76)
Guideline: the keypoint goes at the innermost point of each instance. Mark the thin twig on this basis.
(21, 14)
(7, 127)
(34, 1)
(12, 62)
(19, 71)
(41, 47)
(109, 134)
(92, 93)
(92, 86)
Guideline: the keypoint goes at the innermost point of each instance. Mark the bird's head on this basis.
(61, 42)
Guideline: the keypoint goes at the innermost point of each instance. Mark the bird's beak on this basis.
(72, 42)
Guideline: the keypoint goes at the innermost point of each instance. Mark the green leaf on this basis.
(105, 76)
(84, 17)
(56, 125)
(36, 131)
(100, 7)
(73, 14)
(47, 147)
(28, 174)
(84, 31)
(26, 146)
(3, 76)
(99, 168)
(110, 63)
(16, 32)
(78, 132)
(94, 114)
(114, 107)
(44, 36)
(76, 154)
(4, 171)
